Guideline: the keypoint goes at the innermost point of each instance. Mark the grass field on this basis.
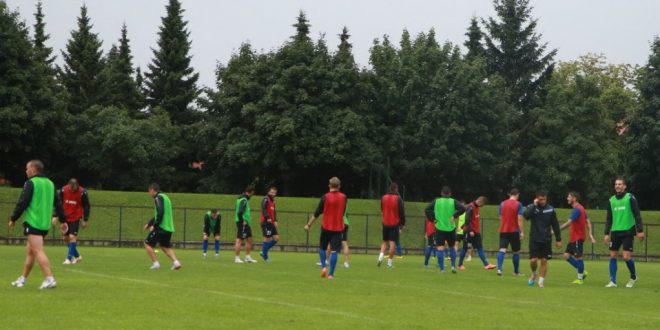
(112, 289)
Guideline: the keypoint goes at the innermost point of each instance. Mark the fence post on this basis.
(307, 237)
(120, 224)
(646, 243)
(366, 235)
(185, 221)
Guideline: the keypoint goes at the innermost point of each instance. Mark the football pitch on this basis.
(113, 288)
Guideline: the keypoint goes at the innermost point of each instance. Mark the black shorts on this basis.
(542, 250)
(576, 248)
(333, 238)
(391, 233)
(474, 241)
(445, 236)
(623, 239)
(216, 232)
(243, 230)
(268, 229)
(73, 228)
(460, 237)
(430, 240)
(159, 237)
(344, 234)
(512, 239)
(29, 230)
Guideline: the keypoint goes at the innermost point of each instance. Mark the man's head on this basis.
(620, 185)
(481, 201)
(445, 192)
(541, 198)
(514, 194)
(272, 191)
(214, 213)
(154, 189)
(249, 190)
(73, 184)
(34, 167)
(394, 188)
(334, 184)
(573, 197)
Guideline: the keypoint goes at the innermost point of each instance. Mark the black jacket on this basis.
(543, 218)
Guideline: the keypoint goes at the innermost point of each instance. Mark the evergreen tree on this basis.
(171, 81)
(474, 43)
(643, 138)
(42, 53)
(82, 66)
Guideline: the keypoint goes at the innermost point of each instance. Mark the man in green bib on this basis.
(36, 205)
(243, 221)
(443, 212)
(161, 228)
(624, 222)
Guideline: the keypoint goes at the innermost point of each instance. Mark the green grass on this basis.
(112, 289)
(112, 210)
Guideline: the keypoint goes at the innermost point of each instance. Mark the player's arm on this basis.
(86, 205)
(160, 211)
(639, 226)
(521, 226)
(608, 223)
(59, 211)
(590, 231)
(469, 211)
(207, 222)
(554, 222)
(242, 206)
(23, 202)
(575, 214)
(430, 212)
(317, 213)
(402, 213)
(264, 208)
(460, 209)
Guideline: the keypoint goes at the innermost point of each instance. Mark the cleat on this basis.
(249, 259)
(499, 272)
(48, 284)
(330, 277)
(489, 267)
(453, 270)
(399, 257)
(578, 282)
(319, 264)
(19, 283)
(611, 285)
(176, 266)
(541, 286)
(66, 262)
(76, 260)
(518, 274)
(238, 260)
(461, 267)
(263, 256)
(584, 276)
(217, 255)
(426, 266)
(324, 272)
(380, 261)
(346, 265)
(204, 255)
(631, 283)
(154, 267)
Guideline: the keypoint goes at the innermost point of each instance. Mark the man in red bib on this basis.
(394, 218)
(75, 203)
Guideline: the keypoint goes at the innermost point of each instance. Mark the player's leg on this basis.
(335, 245)
(37, 247)
(383, 246)
(451, 242)
(478, 245)
(428, 249)
(166, 245)
(543, 272)
(205, 244)
(504, 244)
(464, 249)
(248, 249)
(346, 251)
(73, 239)
(27, 267)
(440, 250)
(324, 241)
(627, 257)
(533, 265)
(515, 251)
(217, 244)
(237, 250)
(399, 248)
(615, 244)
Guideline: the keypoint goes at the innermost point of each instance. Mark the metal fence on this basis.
(124, 226)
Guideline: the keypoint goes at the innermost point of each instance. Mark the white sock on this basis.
(381, 256)
(177, 263)
(580, 276)
(540, 280)
(156, 263)
(50, 279)
(389, 262)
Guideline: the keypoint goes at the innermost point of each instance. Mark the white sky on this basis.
(622, 30)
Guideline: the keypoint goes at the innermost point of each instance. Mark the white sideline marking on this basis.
(231, 295)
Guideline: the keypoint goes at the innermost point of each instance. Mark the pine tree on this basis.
(474, 44)
(83, 64)
(171, 81)
(42, 53)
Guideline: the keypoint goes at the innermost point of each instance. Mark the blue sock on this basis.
(427, 255)
(217, 247)
(440, 255)
(631, 267)
(205, 245)
(500, 260)
(333, 262)
(460, 260)
(482, 255)
(516, 263)
(75, 249)
(580, 266)
(399, 250)
(272, 243)
(452, 256)
(264, 249)
(613, 270)
(573, 262)
(322, 255)
(69, 254)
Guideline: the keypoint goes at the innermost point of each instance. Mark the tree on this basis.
(643, 137)
(474, 43)
(82, 66)
(171, 81)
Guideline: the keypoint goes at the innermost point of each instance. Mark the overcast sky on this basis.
(620, 29)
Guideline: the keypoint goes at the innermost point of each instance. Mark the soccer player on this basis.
(473, 234)
(543, 223)
(578, 222)
(344, 239)
(429, 238)
(394, 218)
(75, 203)
(269, 222)
(212, 225)
(333, 207)
(36, 204)
(243, 221)
(161, 229)
(511, 231)
(443, 212)
(624, 222)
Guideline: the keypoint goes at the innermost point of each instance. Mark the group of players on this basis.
(72, 210)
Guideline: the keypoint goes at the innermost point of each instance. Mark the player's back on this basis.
(390, 208)
(578, 223)
(334, 206)
(510, 210)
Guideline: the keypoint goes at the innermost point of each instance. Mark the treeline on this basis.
(496, 113)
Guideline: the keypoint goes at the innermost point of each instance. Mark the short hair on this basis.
(271, 187)
(541, 193)
(73, 180)
(37, 164)
(249, 188)
(214, 211)
(154, 186)
(514, 192)
(484, 198)
(446, 191)
(334, 182)
(394, 187)
(575, 194)
(620, 178)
